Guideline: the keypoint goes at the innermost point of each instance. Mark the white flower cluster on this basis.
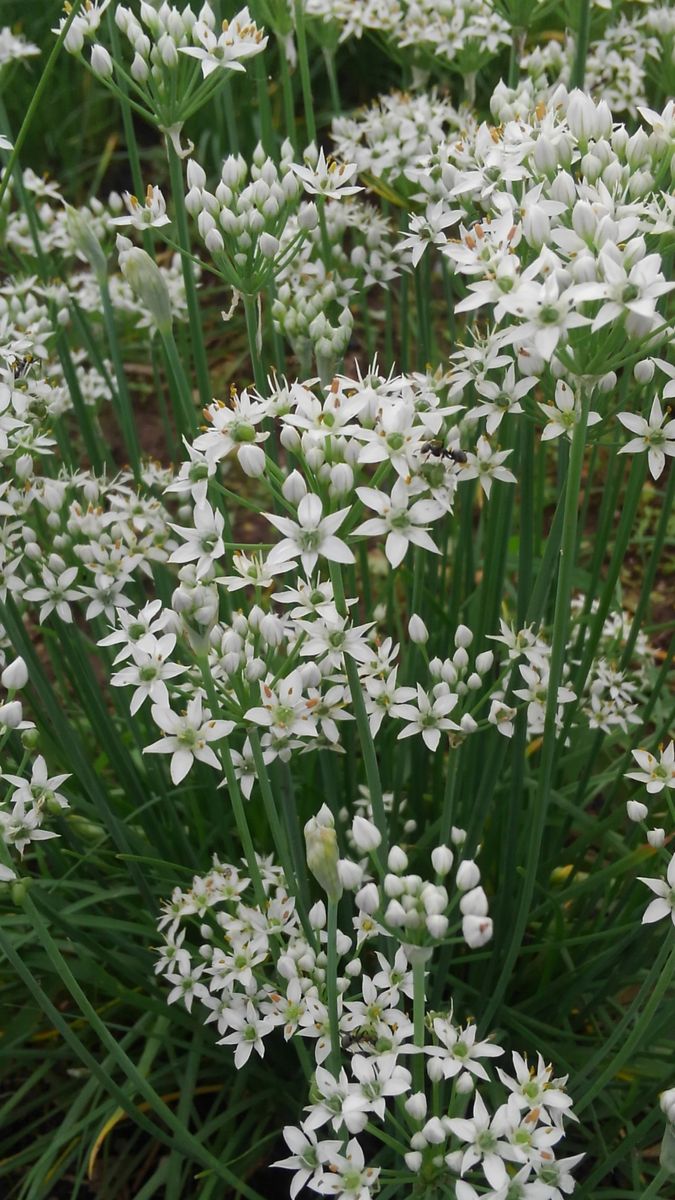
(460, 34)
(162, 40)
(29, 801)
(252, 968)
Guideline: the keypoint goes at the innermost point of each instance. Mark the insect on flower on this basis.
(437, 449)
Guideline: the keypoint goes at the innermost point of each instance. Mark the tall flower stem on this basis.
(363, 727)
(196, 330)
(303, 59)
(253, 334)
(418, 968)
(332, 988)
(583, 38)
(549, 745)
(125, 413)
(186, 414)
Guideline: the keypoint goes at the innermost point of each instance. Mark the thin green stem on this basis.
(583, 38)
(332, 988)
(194, 315)
(549, 745)
(303, 59)
(125, 414)
(419, 972)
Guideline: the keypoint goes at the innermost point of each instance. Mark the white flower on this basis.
(459, 1051)
(327, 178)
(203, 541)
(483, 1145)
(653, 436)
(240, 39)
(565, 414)
(310, 536)
(656, 773)
(40, 789)
(56, 593)
(429, 717)
(19, 828)
(285, 711)
(664, 890)
(248, 1031)
(401, 521)
(187, 737)
(307, 1155)
(348, 1177)
(428, 229)
(486, 465)
(186, 985)
(501, 398)
(149, 215)
(149, 670)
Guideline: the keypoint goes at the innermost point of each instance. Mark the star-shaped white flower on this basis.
(310, 536)
(652, 435)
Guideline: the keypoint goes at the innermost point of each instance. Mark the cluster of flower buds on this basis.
(164, 41)
(242, 222)
(419, 908)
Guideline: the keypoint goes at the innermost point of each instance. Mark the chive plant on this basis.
(337, 771)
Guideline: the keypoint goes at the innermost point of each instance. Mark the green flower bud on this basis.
(322, 852)
(146, 282)
(86, 242)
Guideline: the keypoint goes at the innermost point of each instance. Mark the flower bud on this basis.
(294, 488)
(15, 675)
(413, 1161)
(397, 860)
(268, 245)
(643, 371)
(394, 886)
(146, 282)
(476, 931)
(442, 859)
(636, 810)
(350, 873)
(434, 1132)
(657, 838)
(395, 914)
(101, 62)
(437, 925)
(667, 1104)
(464, 1083)
(322, 852)
(252, 460)
(435, 1070)
(308, 217)
(367, 899)
(86, 242)
(11, 714)
(366, 836)
(417, 630)
(474, 903)
(468, 875)
(484, 661)
(463, 636)
(416, 1106)
(317, 915)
